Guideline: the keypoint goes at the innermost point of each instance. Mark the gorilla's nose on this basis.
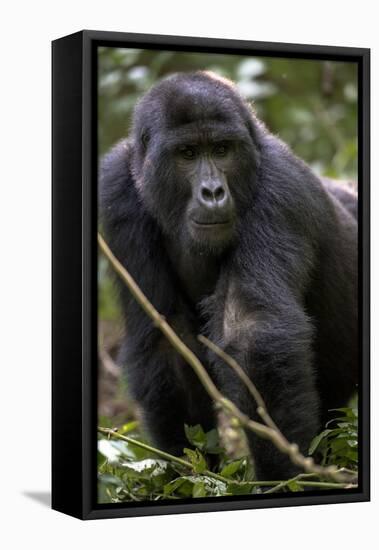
(213, 194)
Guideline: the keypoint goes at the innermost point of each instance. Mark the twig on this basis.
(261, 410)
(109, 432)
(343, 473)
(109, 365)
(327, 485)
(161, 323)
(299, 479)
(166, 456)
(266, 432)
(283, 484)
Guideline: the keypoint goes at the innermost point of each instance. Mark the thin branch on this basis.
(161, 323)
(167, 456)
(283, 484)
(266, 432)
(261, 406)
(342, 474)
(109, 365)
(299, 480)
(109, 432)
(263, 413)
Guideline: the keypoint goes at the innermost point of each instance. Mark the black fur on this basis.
(279, 292)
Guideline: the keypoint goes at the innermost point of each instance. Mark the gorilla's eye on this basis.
(187, 152)
(220, 150)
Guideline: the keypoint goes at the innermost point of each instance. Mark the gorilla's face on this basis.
(204, 166)
(195, 159)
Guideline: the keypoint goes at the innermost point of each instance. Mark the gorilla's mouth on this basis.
(210, 224)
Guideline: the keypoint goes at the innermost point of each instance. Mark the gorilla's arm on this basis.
(273, 344)
(265, 325)
(167, 391)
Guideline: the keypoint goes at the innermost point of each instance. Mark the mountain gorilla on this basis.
(232, 236)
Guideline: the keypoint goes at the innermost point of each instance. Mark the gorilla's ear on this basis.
(251, 121)
(256, 130)
(145, 138)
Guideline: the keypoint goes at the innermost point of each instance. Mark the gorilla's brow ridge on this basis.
(214, 132)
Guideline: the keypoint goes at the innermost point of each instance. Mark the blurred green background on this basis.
(311, 105)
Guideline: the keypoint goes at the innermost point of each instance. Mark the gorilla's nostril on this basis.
(219, 194)
(212, 194)
(206, 194)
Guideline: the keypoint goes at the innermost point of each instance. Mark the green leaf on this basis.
(294, 486)
(199, 489)
(147, 466)
(197, 460)
(240, 488)
(317, 440)
(182, 485)
(212, 442)
(129, 427)
(195, 435)
(232, 468)
(350, 413)
(352, 455)
(337, 445)
(108, 450)
(108, 479)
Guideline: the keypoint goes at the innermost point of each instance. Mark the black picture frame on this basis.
(74, 271)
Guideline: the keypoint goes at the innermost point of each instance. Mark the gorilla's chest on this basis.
(197, 273)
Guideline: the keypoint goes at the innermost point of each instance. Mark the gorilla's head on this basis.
(195, 158)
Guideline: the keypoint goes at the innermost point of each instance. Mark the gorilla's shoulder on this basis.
(116, 188)
(284, 171)
(117, 158)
